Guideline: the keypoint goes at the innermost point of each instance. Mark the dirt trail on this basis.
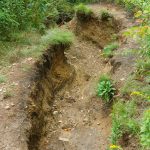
(78, 120)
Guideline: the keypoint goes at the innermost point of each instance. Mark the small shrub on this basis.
(105, 89)
(58, 37)
(105, 15)
(83, 12)
(108, 50)
(145, 131)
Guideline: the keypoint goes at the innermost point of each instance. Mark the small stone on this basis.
(1, 90)
(55, 112)
(81, 111)
(122, 79)
(65, 53)
(63, 139)
(12, 104)
(7, 107)
(29, 59)
(14, 84)
(59, 121)
(85, 120)
(14, 64)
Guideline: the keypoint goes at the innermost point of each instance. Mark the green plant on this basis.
(83, 12)
(7, 95)
(123, 120)
(108, 50)
(58, 36)
(2, 79)
(105, 15)
(145, 131)
(105, 89)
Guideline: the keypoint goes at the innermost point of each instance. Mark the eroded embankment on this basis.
(97, 30)
(53, 72)
(75, 110)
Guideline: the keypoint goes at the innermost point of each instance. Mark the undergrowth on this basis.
(136, 88)
(123, 120)
(25, 15)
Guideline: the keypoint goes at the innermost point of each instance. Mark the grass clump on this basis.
(105, 89)
(58, 36)
(83, 12)
(123, 120)
(2, 79)
(145, 131)
(105, 15)
(7, 95)
(108, 50)
(143, 66)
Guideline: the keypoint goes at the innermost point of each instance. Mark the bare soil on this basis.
(72, 117)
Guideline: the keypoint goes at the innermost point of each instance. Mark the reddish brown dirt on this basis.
(78, 120)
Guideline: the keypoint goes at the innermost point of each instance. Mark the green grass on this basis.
(105, 89)
(25, 67)
(11, 52)
(123, 120)
(83, 12)
(108, 50)
(143, 65)
(2, 79)
(58, 36)
(131, 85)
(32, 45)
(105, 15)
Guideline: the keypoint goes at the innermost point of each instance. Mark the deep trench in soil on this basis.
(64, 111)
